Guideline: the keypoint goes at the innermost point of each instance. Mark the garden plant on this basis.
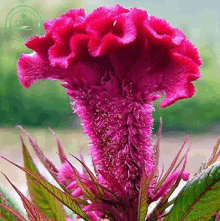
(114, 63)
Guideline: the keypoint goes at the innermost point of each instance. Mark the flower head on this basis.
(114, 63)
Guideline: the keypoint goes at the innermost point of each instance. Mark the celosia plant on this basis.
(114, 62)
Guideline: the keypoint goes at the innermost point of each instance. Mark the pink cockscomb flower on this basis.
(114, 62)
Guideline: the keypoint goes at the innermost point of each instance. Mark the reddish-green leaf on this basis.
(92, 177)
(2, 217)
(60, 147)
(44, 160)
(115, 186)
(86, 191)
(43, 200)
(7, 200)
(13, 212)
(33, 213)
(143, 204)
(200, 197)
(68, 200)
(113, 210)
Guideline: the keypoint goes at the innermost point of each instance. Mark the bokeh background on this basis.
(45, 104)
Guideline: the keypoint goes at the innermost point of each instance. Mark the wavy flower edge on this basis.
(111, 32)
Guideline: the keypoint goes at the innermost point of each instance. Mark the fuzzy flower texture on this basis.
(114, 62)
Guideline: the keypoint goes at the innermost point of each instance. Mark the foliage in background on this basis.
(35, 108)
(201, 111)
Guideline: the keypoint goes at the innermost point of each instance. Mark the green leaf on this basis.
(200, 197)
(44, 160)
(33, 213)
(86, 191)
(92, 177)
(215, 217)
(43, 200)
(68, 200)
(7, 200)
(143, 204)
(15, 215)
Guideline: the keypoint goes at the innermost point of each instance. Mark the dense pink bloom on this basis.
(114, 63)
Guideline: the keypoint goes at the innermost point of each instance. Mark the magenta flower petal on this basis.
(60, 54)
(77, 192)
(64, 54)
(65, 173)
(110, 33)
(66, 176)
(114, 63)
(103, 206)
(100, 214)
(40, 44)
(162, 33)
(72, 185)
(109, 11)
(34, 67)
(92, 216)
(77, 15)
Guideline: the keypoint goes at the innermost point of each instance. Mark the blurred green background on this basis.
(45, 104)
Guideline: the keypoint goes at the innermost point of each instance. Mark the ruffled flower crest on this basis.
(114, 63)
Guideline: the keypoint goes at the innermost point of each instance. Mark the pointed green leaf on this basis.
(86, 191)
(15, 215)
(143, 204)
(68, 200)
(43, 200)
(7, 200)
(33, 213)
(200, 197)
(44, 160)
(92, 177)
